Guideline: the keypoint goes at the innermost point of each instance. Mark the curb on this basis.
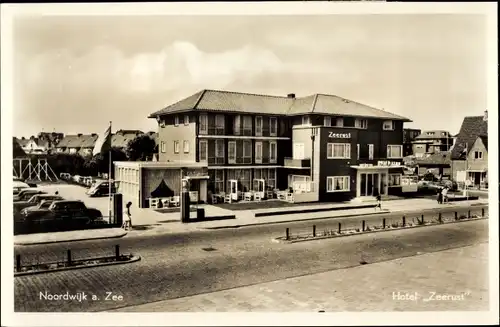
(297, 220)
(277, 240)
(296, 211)
(71, 240)
(25, 273)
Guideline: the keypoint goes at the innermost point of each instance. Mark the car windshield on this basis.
(45, 205)
(33, 199)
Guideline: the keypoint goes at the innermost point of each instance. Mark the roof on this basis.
(78, 141)
(484, 139)
(121, 140)
(438, 134)
(442, 158)
(226, 101)
(472, 127)
(17, 150)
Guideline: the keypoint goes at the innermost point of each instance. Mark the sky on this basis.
(74, 74)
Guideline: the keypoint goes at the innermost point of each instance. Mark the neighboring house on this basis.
(121, 138)
(326, 147)
(430, 142)
(34, 145)
(437, 163)
(17, 150)
(409, 134)
(470, 153)
(50, 139)
(77, 144)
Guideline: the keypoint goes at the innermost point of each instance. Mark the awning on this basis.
(484, 170)
(376, 167)
(197, 177)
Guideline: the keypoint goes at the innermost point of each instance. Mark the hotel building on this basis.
(325, 147)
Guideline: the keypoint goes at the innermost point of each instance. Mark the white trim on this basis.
(371, 151)
(163, 147)
(206, 150)
(346, 150)
(271, 160)
(229, 159)
(392, 145)
(176, 120)
(185, 144)
(346, 181)
(257, 131)
(257, 159)
(238, 137)
(178, 146)
(271, 124)
(203, 117)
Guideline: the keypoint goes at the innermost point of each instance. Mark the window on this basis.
(361, 123)
(337, 184)
(203, 124)
(219, 151)
(273, 152)
(388, 125)
(370, 151)
(247, 151)
(394, 151)
(231, 152)
(258, 152)
(219, 124)
(163, 147)
(394, 180)
(186, 119)
(176, 120)
(247, 125)
(273, 123)
(258, 125)
(338, 151)
(185, 146)
(478, 155)
(306, 120)
(237, 125)
(327, 121)
(357, 151)
(339, 122)
(298, 150)
(176, 147)
(203, 154)
(219, 181)
(271, 180)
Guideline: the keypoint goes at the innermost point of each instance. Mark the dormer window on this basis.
(339, 122)
(388, 125)
(327, 121)
(306, 120)
(361, 123)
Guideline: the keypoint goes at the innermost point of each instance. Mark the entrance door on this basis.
(233, 187)
(477, 178)
(259, 185)
(370, 184)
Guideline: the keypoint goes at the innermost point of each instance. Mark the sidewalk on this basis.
(79, 235)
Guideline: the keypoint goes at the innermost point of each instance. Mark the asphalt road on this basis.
(182, 268)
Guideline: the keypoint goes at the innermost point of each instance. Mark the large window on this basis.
(203, 151)
(186, 119)
(273, 152)
(218, 181)
(361, 123)
(237, 125)
(327, 121)
(394, 180)
(247, 125)
(247, 152)
(388, 125)
(339, 122)
(273, 126)
(176, 120)
(231, 152)
(371, 151)
(258, 152)
(185, 146)
(176, 147)
(337, 184)
(394, 151)
(219, 124)
(203, 124)
(306, 120)
(298, 151)
(271, 180)
(219, 152)
(258, 125)
(338, 151)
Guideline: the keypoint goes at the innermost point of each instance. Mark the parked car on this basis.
(61, 215)
(26, 194)
(65, 176)
(43, 206)
(77, 178)
(101, 188)
(34, 201)
(18, 186)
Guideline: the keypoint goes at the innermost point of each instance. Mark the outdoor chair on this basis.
(175, 200)
(165, 202)
(289, 197)
(153, 203)
(215, 198)
(257, 196)
(248, 196)
(282, 195)
(227, 198)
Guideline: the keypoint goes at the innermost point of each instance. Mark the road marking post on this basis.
(423, 221)
(18, 262)
(482, 212)
(69, 257)
(117, 251)
(363, 226)
(340, 228)
(314, 230)
(287, 235)
(404, 221)
(383, 223)
(440, 218)
(456, 215)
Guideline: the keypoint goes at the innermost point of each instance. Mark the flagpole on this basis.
(466, 171)
(109, 172)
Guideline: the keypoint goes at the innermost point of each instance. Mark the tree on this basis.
(100, 162)
(141, 148)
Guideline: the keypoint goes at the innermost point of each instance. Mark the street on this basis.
(234, 258)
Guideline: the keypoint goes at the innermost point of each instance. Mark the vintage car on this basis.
(101, 188)
(59, 216)
(34, 201)
(44, 205)
(26, 194)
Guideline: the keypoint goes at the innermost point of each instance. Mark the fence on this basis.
(346, 226)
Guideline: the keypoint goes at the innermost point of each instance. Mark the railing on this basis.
(298, 163)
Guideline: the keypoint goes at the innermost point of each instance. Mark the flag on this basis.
(103, 143)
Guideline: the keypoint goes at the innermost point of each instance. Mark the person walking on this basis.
(379, 201)
(127, 219)
(444, 195)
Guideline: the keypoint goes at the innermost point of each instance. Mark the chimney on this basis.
(291, 95)
(485, 117)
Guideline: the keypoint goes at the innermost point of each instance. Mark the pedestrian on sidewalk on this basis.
(440, 196)
(127, 221)
(379, 201)
(444, 194)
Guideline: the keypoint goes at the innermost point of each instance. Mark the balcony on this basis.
(297, 163)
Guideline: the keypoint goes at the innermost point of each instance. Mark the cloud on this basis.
(178, 65)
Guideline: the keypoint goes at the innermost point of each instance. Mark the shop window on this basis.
(337, 184)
